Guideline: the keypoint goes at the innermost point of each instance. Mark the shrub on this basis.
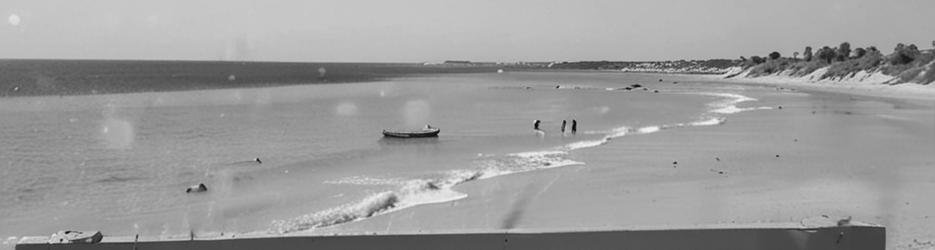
(826, 54)
(868, 62)
(805, 68)
(859, 52)
(771, 67)
(843, 51)
(757, 59)
(929, 75)
(903, 54)
(807, 54)
(775, 55)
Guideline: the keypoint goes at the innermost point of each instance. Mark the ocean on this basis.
(121, 162)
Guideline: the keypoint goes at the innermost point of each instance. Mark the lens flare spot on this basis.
(117, 134)
(14, 19)
(416, 113)
(346, 109)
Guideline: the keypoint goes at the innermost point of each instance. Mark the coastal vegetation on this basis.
(907, 63)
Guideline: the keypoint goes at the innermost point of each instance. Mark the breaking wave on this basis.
(404, 193)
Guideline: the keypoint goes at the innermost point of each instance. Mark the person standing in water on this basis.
(535, 124)
(574, 126)
(563, 126)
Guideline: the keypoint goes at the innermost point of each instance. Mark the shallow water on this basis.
(120, 163)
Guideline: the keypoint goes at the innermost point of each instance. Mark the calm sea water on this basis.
(120, 163)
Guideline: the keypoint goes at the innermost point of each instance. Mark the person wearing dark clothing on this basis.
(535, 125)
(563, 126)
(574, 126)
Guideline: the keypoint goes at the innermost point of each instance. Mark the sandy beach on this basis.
(863, 84)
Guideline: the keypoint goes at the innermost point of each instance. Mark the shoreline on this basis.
(904, 91)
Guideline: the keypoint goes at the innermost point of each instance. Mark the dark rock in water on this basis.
(257, 160)
(628, 88)
(645, 89)
(717, 158)
(780, 107)
(660, 80)
(676, 82)
(197, 188)
(675, 163)
(655, 91)
(636, 85)
(431, 186)
(777, 156)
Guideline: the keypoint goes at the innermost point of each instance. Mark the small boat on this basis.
(417, 133)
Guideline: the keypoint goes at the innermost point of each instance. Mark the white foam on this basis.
(429, 197)
(535, 154)
(732, 97)
(364, 180)
(649, 129)
(727, 110)
(369, 206)
(734, 109)
(709, 122)
(729, 104)
(586, 144)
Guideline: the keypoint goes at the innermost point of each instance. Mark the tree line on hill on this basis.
(907, 62)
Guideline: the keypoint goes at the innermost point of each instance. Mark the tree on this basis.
(873, 51)
(775, 55)
(843, 51)
(757, 59)
(795, 55)
(826, 54)
(859, 52)
(807, 55)
(903, 54)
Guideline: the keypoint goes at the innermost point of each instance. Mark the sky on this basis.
(437, 30)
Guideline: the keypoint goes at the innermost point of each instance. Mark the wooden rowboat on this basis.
(417, 133)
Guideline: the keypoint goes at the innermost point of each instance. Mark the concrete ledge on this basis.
(849, 237)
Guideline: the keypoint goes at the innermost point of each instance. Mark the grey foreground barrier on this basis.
(846, 237)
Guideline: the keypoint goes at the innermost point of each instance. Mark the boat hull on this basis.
(411, 134)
